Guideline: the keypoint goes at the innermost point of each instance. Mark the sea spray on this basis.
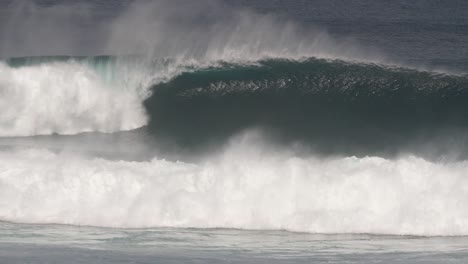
(247, 186)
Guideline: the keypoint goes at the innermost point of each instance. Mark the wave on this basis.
(332, 105)
(343, 107)
(70, 95)
(245, 187)
(200, 34)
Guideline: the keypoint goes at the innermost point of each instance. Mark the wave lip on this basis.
(245, 188)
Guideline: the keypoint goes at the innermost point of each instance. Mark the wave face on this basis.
(70, 95)
(333, 105)
(330, 105)
(246, 187)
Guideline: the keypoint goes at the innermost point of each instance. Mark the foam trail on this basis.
(246, 187)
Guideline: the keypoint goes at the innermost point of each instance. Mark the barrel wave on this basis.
(331, 105)
(308, 99)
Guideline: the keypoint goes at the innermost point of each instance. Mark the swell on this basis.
(333, 106)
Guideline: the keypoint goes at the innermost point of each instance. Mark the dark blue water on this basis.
(431, 32)
(423, 32)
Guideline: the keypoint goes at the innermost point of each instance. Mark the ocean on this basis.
(233, 131)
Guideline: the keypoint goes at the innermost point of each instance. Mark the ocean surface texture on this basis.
(233, 131)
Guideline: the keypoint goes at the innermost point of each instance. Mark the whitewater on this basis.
(239, 120)
(222, 131)
(242, 188)
(250, 183)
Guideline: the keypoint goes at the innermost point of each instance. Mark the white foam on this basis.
(65, 98)
(245, 187)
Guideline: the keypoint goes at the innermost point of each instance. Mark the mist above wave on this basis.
(202, 30)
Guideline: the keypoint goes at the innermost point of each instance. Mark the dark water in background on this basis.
(338, 108)
(421, 32)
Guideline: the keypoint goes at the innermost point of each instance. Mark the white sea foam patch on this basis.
(243, 188)
(65, 98)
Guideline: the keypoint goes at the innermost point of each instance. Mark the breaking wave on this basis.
(202, 80)
(332, 105)
(64, 97)
(245, 187)
(69, 95)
